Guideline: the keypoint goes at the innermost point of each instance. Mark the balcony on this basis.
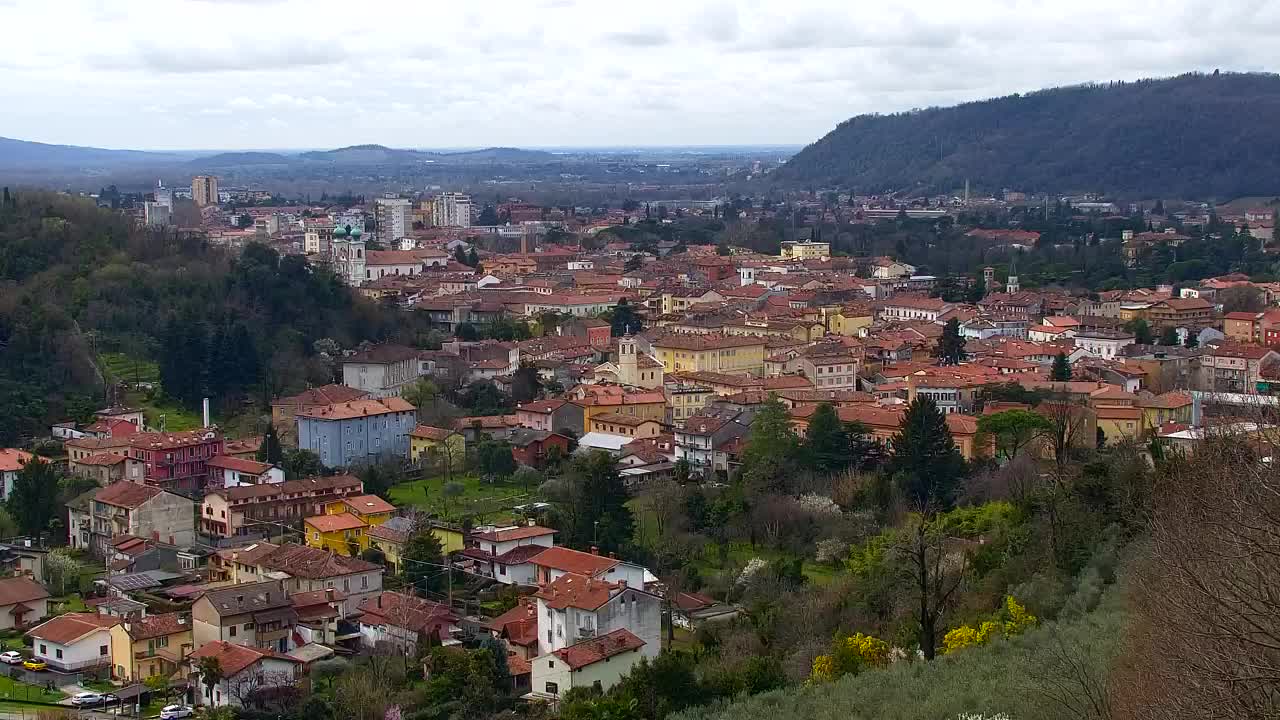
(162, 653)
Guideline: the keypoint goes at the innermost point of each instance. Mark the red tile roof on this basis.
(358, 408)
(334, 523)
(368, 504)
(323, 395)
(66, 629)
(126, 494)
(572, 590)
(427, 432)
(233, 659)
(12, 460)
(405, 611)
(516, 533)
(589, 652)
(226, 462)
(20, 590)
(173, 440)
(574, 561)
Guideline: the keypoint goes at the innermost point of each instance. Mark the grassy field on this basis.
(125, 368)
(477, 499)
(176, 417)
(66, 604)
(11, 689)
(740, 553)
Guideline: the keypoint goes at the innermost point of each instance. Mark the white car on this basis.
(13, 657)
(82, 699)
(175, 712)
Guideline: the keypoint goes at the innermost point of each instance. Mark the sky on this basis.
(225, 74)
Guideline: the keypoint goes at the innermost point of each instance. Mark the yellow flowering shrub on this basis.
(1018, 621)
(853, 654)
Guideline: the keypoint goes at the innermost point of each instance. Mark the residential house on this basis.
(629, 425)
(1106, 344)
(595, 330)
(532, 447)
(127, 508)
(1170, 407)
(284, 410)
(22, 602)
(1180, 312)
(518, 628)
(306, 568)
(398, 621)
(437, 446)
(345, 523)
(11, 462)
(575, 607)
(151, 645)
(1234, 367)
(257, 614)
(104, 468)
(886, 268)
(831, 370)
(554, 415)
(914, 307)
(357, 432)
(380, 371)
(556, 561)
(245, 671)
(231, 512)
(74, 642)
(701, 439)
(600, 399)
(229, 472)
(506, 553)
(589, 663)
(320, 615)
(177, 460)
(710, 352)
(685, 400)
(390, 539)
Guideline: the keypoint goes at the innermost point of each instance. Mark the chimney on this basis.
(611, 557)
(379, 601)
(595, 550)
(206, 412)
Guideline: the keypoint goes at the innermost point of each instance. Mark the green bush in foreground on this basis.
(1010, 676)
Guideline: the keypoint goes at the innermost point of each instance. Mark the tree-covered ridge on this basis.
(77, 281)
(1189, 136)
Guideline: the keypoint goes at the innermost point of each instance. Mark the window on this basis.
(58, 653)
(162, 642)
(364, 582)
(553, 689)
(232, 632)
(45, 651)
(248, 626)
(548, 635)
(103, 649)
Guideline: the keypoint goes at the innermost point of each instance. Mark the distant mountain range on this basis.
(33, 155)
(1192, 136)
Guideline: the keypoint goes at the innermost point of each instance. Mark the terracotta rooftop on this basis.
(334, 523)
(234, 659)
(323, 395)
(573, 561)
(20, 589)
(126, 494)
(313, 563)
(251, 467)
(521, 532)
(572, 590)
(589, 652)
(66, 629)
(358, 408)
(427, 432)
(368, 504)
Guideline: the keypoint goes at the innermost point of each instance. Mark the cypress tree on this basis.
(1061, 370)
(951, 345)
(925, 460)
(826, 443)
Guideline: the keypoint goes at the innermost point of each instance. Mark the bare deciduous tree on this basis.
(1205, 641)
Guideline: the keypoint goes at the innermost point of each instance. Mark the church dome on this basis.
(340, 232)
(356, 232)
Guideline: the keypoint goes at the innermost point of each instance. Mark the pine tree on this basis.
(423, 558)
(473, 258)
(951, 345)
(460, 255)
(1061, 370)
(1193, 340)
(925, 460)
(826, 443)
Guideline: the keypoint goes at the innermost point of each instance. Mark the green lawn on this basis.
(66, 604)
(99, 685)
(476, 499)
(122, 367)
(11, 689)
(176, 417)
(740, 553)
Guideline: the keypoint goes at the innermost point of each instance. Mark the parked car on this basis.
(13, 657)
(84, 699)
(35, 664)
(175, 712)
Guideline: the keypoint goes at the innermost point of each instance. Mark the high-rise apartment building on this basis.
(394, 217)
(204, 190)
(157, 214)
(452, 210)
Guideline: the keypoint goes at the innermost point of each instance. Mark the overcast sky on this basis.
(430, 73)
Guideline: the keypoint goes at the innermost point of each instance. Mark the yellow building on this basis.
(805, 250)
(601, 399)
(1170, 407)
(850, 322)
(438, 445)
(1119, 424)
(154, 645)
(346, 522)
(711, 352)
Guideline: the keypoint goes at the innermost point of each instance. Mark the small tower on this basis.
(1012, 286)
(989, 277)
(628, 362)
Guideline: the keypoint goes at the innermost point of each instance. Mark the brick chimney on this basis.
(595, 550)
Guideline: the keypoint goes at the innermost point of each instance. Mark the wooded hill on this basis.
(1191, 136)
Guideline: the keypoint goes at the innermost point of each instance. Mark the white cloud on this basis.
(559, 72)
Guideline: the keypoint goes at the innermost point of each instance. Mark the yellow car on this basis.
(35, 664)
